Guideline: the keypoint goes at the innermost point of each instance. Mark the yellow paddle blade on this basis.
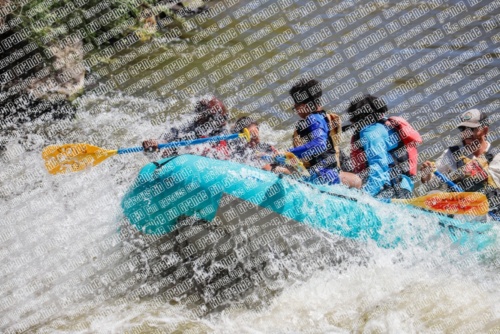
(60, 159)
(245, 134)
(292, 160)
(465, 203)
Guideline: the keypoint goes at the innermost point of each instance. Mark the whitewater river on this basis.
(59, 245)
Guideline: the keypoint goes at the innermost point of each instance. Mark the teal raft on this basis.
(223, 192)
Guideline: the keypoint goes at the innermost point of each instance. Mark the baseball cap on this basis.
(473, 119)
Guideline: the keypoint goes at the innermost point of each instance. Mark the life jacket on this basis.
(405, 155)
(300, 137)
(219, 150)
(214, 127)
(472, 174)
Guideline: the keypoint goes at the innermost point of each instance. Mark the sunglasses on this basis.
(466, 132)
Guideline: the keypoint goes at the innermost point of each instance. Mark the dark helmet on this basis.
(210, 110)
(212, 105)
(306, 91)
(366, 105)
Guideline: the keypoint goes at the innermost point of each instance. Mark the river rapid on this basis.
(59, 234)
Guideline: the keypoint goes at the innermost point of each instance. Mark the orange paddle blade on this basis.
(60, 159)
(465, 203)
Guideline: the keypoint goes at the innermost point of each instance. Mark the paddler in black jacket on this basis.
(211, 119)
(473, 165)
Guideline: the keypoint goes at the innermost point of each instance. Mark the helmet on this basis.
(365, 106)
(211, 106)
(211, 116)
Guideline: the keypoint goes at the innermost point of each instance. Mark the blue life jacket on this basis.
(316, 145)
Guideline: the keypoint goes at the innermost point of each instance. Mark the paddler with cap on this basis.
(473, 165)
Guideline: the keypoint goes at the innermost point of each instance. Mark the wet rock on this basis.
(58, 74)
(68, 76)
(189, 8)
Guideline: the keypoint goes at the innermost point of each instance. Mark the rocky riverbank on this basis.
(52, 51)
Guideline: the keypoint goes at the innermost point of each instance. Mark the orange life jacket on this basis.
(405, 155)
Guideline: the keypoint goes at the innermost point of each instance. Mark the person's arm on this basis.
(494, 170)
(318, 142)
(377, 158)
(445, 164)
(151, 145)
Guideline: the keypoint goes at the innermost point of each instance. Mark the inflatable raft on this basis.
(214, 235)
(187, 190)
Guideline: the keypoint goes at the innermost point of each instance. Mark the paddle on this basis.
(459, 190)
(449, 203)
(292, 161)
(288, 158)
(60, 159)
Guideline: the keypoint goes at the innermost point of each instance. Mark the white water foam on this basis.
(55, 228)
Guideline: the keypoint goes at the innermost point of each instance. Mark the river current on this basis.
(58, 236)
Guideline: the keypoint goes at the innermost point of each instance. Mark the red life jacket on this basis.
(221, 149)
(405, 155)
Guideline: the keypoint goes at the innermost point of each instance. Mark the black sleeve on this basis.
(265, 148)
(345, 162)
(171, 135)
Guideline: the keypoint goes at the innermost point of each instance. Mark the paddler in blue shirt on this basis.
(383, 150)
(313, 142)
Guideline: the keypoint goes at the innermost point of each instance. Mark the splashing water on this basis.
(61, 252)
